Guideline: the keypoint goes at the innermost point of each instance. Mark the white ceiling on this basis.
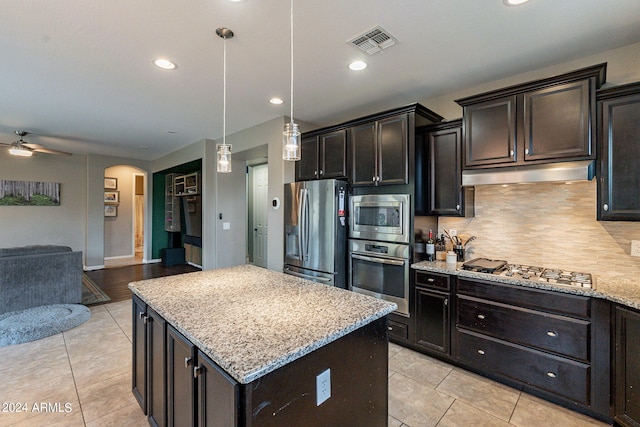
(78, 75)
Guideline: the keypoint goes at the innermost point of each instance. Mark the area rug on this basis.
(91, 293)
(40, 322)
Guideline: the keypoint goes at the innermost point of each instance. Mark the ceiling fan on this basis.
(26, 149)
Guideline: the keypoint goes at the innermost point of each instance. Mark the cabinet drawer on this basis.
(558, 334)
(555, 374)
(549, 301)
(398, 330)
(432, 280)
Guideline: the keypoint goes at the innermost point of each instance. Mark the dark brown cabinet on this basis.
(619, 148)
(379, 152)
(554, 343)
(323, 156)
(537, 122)
(432, 296)
(446, 196)
(627, 367)
(149, 335)
(197, 389)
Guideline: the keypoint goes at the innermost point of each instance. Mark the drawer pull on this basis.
(481, 316)
(430, 279)
(552, 334)
(481, 352)
(551, 374)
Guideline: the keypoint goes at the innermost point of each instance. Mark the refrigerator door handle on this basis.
(308, 276)
(300, 224)
(305, 224)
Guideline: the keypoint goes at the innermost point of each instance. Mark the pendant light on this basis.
(224, 150)
(291, 134)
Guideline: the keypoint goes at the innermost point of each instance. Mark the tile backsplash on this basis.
(548, 224)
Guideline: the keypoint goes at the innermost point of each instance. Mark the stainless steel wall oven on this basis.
(380, 269)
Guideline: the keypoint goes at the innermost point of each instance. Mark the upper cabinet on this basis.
(379, 152)
(323, 156)
(619, 151)
(369, 151)
(536, 122)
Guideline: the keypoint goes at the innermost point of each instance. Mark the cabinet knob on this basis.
(511, 153)
(605, 207)
(552, 334)
(551, 374)
(315, 173)
(431, 279)
(457, 207)
(321, 172)
(390, 328)
(526, 151)
(446, 301)
(187, 362)
(481, 352)
(481, 316)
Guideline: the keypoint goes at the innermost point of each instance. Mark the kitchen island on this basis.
(256, 347)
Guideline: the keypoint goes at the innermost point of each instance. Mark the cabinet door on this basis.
(333, 154)
(307, 166)
(156, 367)
(139, 386)
(445, 174)
(180, 384)
(558, 122)
(432, 320)
(627, 367)
(393, 150)
(490, 132)
(363, 154)
(218, 395)
(619, 178)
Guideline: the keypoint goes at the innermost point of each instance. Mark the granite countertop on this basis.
(251, 321)
(622, 291)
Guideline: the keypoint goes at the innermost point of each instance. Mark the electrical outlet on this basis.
(323, 387)
(635, 248)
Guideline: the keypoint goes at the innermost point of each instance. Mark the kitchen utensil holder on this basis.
(459, 250)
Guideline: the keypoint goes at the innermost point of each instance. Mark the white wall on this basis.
(46, 225)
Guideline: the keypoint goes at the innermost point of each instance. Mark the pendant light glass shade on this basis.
(224, 150)
(291, 142)
(224, 158)
(291, 134)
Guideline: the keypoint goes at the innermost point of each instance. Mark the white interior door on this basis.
(260, 204)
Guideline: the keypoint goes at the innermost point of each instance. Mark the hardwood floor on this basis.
(114, 280)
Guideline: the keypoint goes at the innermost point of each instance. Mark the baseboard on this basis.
(93, 267)
(151, 261)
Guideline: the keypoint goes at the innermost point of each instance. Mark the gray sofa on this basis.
(32, 276)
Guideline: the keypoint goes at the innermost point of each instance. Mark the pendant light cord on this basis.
(224, 92)
(291, 20)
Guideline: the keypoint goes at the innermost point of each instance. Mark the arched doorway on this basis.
(124, 235)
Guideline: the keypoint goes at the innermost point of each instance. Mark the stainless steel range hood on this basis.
(552, 172)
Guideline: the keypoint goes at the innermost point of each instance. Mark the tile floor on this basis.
(82, 377)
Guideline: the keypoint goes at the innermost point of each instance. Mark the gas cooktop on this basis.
(537, 274)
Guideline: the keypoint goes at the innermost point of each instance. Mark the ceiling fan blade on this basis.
(40, 149)
(5, 145)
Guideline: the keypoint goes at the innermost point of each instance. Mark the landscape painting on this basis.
(29, 193)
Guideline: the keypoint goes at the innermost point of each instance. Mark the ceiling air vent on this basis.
(374, 40)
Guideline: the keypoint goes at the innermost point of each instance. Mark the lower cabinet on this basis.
(149, 336)
(432, 311)
(627, 367)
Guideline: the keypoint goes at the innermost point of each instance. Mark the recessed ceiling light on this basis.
(514, 2)
(165, 64)
(357, 65)
(276, 101)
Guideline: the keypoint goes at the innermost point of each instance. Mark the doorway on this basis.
(258, 203)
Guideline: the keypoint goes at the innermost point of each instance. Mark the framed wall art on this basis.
(110, 183)
(110, 210)
(111, 197)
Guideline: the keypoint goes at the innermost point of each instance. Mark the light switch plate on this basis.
(323, 387)
(635, 248)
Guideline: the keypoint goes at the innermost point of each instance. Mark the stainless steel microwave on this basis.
(381, 217)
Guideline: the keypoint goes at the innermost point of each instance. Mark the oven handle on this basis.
(378, 260)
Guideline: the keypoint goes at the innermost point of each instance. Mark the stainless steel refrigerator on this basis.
(316, 229)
